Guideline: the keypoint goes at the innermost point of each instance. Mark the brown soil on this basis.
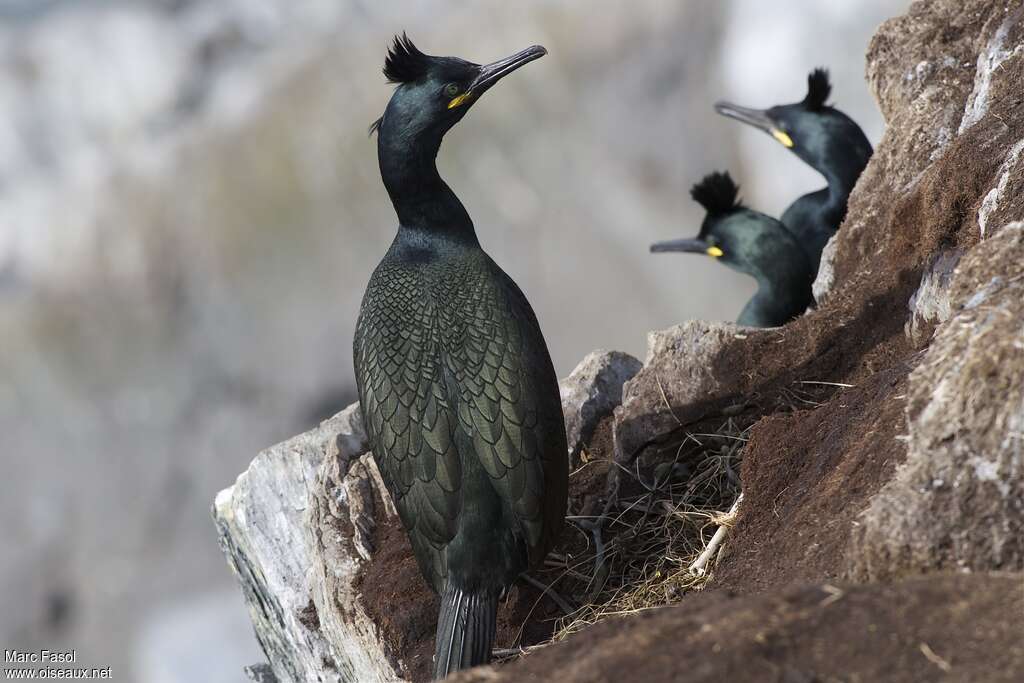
(806, 476)
(940, 628)
(398, 600)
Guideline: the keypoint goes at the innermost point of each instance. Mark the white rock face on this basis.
(930, 303)
(826, 273)
(295, 528)
(991, 203)
(989, 61)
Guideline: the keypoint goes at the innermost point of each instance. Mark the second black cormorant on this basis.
(752, 243)
(827, 140)
(458, 393)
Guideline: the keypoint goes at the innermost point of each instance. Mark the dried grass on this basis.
(655, 522)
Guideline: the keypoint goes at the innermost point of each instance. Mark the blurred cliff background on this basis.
(190, 208)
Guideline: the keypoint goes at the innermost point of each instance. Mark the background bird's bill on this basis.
(692, 246)
(757, 118)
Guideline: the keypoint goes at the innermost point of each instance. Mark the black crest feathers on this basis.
(717, 193)
(405, 63)
(818, 89)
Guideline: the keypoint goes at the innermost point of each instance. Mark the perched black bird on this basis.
(458, 393)
(751, 243)
(829, 142)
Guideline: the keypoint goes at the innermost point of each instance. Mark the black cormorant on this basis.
(752, 243)
(829, 142)
(459, 396)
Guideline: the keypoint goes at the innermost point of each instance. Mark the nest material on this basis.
(639, 549)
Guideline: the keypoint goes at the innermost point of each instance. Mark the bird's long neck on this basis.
(777, 299)
(781, 286)
(422, 200)
(842, 172)
(840, 185)
(822, 208)
(783, 274)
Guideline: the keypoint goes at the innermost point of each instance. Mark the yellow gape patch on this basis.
(714, 251)
(782, 137)
(461, 99)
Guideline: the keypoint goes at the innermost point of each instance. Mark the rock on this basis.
(1002, 45)
(930, 304)
(956, 502)
(339, 527)
(826, 274)
(1006, 198)
(678, 377)
(963, 628)
(295, 528)
(592, 391)
(260, 673)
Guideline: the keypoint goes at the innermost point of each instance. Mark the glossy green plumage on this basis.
(460, 397)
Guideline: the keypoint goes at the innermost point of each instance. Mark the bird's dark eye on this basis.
(451, 90)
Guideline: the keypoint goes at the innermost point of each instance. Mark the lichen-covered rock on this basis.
(958, 501)
(592, 391)
(1006, 198)
(294, 528)
(930, 304)
(826, 276)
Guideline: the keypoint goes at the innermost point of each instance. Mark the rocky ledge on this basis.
(878, 441)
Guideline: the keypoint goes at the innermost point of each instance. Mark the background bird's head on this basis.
(744, 240)
(434, 93)
(819, 134)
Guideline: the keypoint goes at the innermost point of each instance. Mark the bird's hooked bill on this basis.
(492, 73)
(756, 118)
(692, 246)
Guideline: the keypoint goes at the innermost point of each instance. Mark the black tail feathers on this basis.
(465, 630)
(717, 193)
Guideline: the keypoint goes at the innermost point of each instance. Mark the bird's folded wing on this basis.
(506, 396)
(410, 421)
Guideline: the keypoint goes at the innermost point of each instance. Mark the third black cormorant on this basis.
(459, 396)
(751, 243)
(827, 140)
